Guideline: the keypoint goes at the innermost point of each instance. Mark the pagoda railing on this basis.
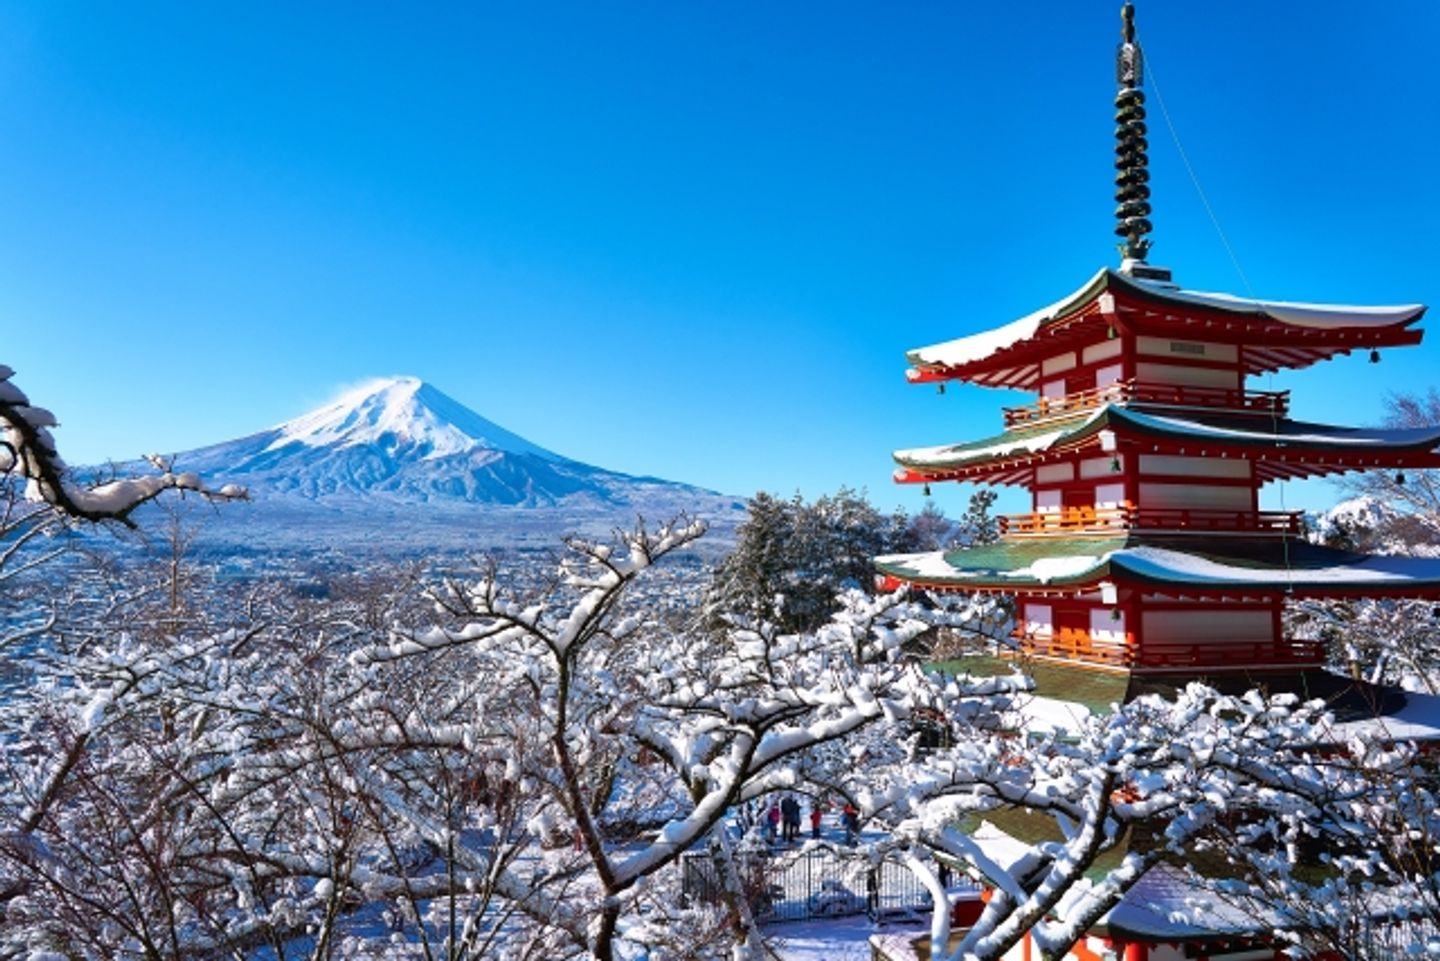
(1069, 644)
(1108, 520)
(1179, 396)
(1287, 651)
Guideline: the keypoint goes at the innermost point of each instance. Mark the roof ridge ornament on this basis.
(1132, 194)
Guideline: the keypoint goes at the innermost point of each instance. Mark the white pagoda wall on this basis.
(1195, 497)
(1209, 628)
(1219, 483)
(1188, 363)
(1228, 468)
(1092, 948)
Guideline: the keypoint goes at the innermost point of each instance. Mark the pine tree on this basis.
(792, 558)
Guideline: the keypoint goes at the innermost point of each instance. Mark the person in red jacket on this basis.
(850, 817)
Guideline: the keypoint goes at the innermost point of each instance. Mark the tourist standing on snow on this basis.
(790, 812)
(815, 816)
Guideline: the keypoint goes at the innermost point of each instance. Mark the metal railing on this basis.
(801, 885)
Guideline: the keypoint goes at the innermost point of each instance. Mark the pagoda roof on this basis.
(1272, 334)
(1072, 692)
(1280, 448)
(1166, 905)
(1232, 567)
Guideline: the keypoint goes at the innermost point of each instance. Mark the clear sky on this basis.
(686, 239)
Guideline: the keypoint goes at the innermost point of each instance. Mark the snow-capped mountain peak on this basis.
(396, 460)
(402, 414)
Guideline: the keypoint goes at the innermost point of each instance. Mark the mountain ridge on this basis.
(399, 457)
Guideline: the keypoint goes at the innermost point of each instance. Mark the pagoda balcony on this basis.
(1158, 655)
(1072, 521)
(1266, 403)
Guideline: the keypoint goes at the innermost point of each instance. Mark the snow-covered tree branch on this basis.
(28, 452)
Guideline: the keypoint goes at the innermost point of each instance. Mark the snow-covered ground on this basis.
(831, 939)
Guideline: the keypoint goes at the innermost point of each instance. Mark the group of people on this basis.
(782, 819)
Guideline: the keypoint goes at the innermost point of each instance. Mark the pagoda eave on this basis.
(1018, 366)
(1247, 569)
(1279, 449)
(1272, 335)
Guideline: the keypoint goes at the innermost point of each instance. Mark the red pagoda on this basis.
(1145, 549)
(1145, 560)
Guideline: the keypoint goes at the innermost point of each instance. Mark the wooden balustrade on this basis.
(1070, 644)
(1286, 651)
(1139, 394)
(1109, 520)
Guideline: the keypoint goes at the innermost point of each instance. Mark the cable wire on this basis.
(1194, 179)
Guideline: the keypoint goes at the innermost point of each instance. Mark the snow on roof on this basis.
(1172, 566)
(1002, 446)
(936, 567)
(1026, 563)
(1023, 562)
(1223, 428)
(932, 566)
(964, 350)
(1417, 720)
(1286, 431)
(1000, 847)
(1047, 569)
(980, 346)
(1045, 714)
(1295, 314)
(1165, 905)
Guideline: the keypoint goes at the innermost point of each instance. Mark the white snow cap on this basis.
(402, 411)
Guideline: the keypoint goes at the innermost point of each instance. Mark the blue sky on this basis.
(691, 240)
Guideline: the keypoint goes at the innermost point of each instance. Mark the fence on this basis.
(1394, 940)
(816, 883)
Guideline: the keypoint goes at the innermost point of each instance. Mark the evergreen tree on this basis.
(978, 526)
(928, 530)
(792, 558)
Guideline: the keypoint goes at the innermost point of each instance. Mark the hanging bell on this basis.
(1400, 478)
(925, 490)
(1374, 356)
(939, 388)
(1115, 464)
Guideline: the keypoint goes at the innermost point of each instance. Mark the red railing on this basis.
(1229, 654)
(1108, 520)
(1069, 644)
(1154, 395)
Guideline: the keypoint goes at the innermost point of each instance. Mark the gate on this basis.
(818, 883)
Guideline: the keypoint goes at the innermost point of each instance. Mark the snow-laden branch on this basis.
(27, 451)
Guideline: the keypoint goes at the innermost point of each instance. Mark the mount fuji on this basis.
(398, 463)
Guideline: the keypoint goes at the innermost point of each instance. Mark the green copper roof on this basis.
(1018, 562)
(1096, 690)
(1233, 563)
(1227, 431)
